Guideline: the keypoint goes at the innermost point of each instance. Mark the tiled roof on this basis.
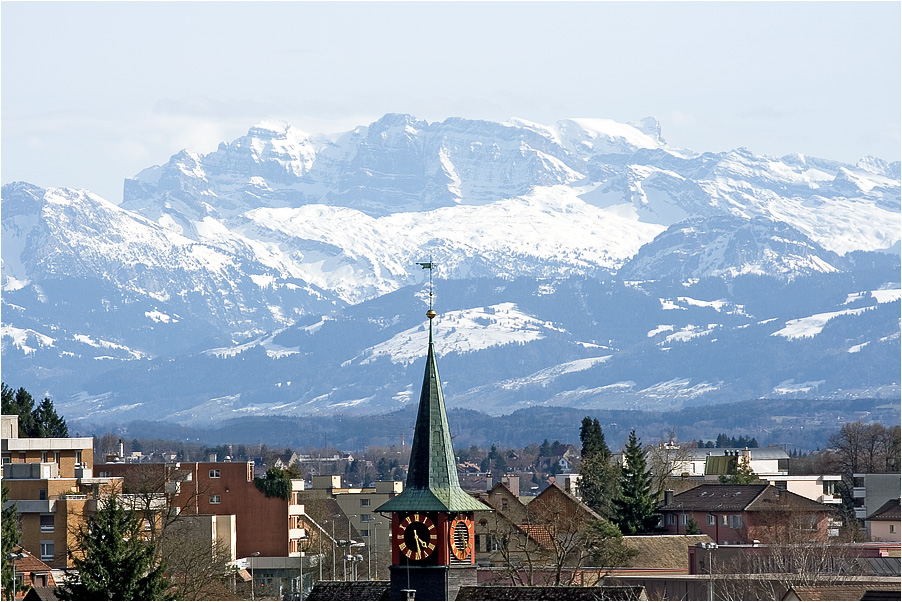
(815, 593)
(350, 590)
(500, 593)
(888, 511)
(432, 482)
(739, 498)
(663, 552)
(31, 563)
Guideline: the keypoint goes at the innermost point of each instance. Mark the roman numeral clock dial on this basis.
(417, 536)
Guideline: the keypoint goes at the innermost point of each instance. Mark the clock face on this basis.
(417, 536)
(460, 536)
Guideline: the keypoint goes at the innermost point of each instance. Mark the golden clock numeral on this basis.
(432, 526)
(416, 517)
(431, 546)
(403, 546)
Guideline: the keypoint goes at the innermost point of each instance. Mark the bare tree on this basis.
(557, 541)
(197, 562)
(865, 448)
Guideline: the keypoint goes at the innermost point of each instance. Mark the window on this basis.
(78, 457)
(364, 502)
(671, 519)
(43, 456)
(735, 521)
(56, 457)
(215, 499)
(684, 519)
(46, 523)
(479, 542)
(39, 579)
(364, 533)
(365, 518)
(214, 473)
(46, 550)
(7, 459)
(892, 528)
(711, 520)
(724, 520)
(42, 494)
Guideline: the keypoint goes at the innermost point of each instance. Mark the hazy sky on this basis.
(94, 92)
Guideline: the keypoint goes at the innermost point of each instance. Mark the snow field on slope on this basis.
(462, 332)
(377, 255)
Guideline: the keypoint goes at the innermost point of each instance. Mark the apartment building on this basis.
(358, 506)
(51, 482)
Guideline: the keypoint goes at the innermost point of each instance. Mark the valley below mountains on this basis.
(587, 265)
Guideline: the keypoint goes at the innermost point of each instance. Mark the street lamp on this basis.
(254, 555)
(13, 558)
(710, 546)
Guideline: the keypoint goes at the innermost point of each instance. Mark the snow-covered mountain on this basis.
(280, 236)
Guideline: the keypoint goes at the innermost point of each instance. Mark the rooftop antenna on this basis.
(428, 265)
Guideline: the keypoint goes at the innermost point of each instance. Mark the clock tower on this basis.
(432, 530)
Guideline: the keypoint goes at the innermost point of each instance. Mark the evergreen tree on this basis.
(48, 423)
(635, 508)
(41, 421)
(598, 477)
(21, 404)
(592, 438)
(10, 523)
(692, 527)
(111, 559)
(739, 472)
(545, 449)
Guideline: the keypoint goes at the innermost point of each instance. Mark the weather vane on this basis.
(428, 265)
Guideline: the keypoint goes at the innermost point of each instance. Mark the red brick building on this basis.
(266, 526)
(738, 514)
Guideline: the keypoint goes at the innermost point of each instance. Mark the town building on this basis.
(31, 574)
(266, 532)
(50, 480)
(884, 523)
(872, 490)
(357, 506)
(739, 514)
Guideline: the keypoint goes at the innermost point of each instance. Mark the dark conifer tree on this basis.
(635, 507)
(598, 477)
(112, 561)
(10, 539)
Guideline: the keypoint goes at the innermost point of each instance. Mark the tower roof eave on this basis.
(449, 499)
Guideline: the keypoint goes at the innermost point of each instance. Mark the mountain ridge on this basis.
(235, 250)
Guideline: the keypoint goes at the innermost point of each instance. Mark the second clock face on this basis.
(460, 537)
(417, 537)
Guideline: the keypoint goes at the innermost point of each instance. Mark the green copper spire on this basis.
(432, 483)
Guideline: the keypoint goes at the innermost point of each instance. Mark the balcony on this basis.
(36, 506)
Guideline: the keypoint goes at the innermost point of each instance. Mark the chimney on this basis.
(212, 457)
(668, 497)
(121, 449)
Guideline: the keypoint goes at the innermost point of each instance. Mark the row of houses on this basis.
(325, 531)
